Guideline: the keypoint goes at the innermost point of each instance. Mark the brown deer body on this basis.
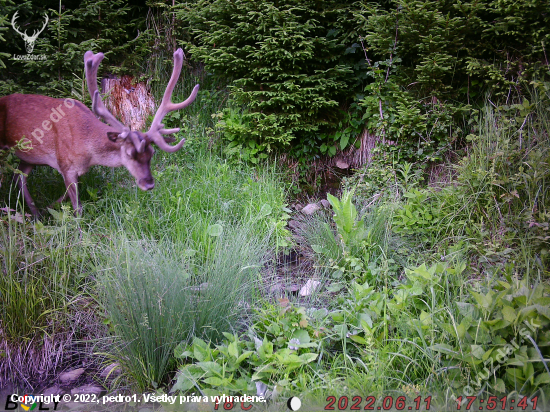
(66, 135)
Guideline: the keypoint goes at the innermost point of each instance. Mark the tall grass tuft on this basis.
(157, 294)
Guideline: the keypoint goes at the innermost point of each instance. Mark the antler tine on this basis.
(37, 32)
(91, 63)
(156, 130)
(15, 16)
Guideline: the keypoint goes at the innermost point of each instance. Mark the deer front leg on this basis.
(26, 169)
(71, 181)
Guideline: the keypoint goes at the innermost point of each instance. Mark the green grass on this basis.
(41, 265)
(207, 223)
(190, 195)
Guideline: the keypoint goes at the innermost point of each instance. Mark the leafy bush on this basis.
(367, 312)
(359, 245)
(432, 63)
(246, 363)
(418, 130)
(498, 200)
(491, 339)
(418, 216)
(501, 339)
(71, 31)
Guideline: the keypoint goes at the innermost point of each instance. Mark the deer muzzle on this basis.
(146, 184)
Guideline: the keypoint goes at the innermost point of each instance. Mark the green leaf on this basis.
(358, 339)
(344, 141)
(266, 210)
(319, 249)
(211, 367)
(189, 252)
(214, 381)
(425, 318)
(467, 309)
(341, 330)
(308, 357)
(180, 351)
(500, 386)
(302, 335)
(215, 230)
(365, 317)
(543, 310)
(542, 379)
(514, 376)
(184, 381)
(477, 351)
(233, 349)
(509, 314)
(335, 287)
(199, 352)
(443, 347)
(244, 356)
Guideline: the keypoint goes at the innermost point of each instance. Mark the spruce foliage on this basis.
(73, 28)
(285, 63)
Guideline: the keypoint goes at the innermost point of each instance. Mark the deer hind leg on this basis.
(21, 179)
(71, 181)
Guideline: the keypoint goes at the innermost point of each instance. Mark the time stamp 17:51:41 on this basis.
(466, 403)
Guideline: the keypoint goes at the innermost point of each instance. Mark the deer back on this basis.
(55, 132)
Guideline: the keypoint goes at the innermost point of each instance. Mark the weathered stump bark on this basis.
(129, 101)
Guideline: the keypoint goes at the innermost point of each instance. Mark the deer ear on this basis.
(169, 139)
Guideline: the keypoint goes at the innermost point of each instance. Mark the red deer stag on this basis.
(67, 136)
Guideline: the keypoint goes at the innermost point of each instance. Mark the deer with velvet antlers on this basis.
(74, 139)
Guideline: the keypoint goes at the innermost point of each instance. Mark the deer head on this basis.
(135, 146)
(29, 40)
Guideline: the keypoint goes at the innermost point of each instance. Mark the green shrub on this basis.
(283, 60)
(501, 339)
(250, 364)
(418, 130)
(70, 32)
(360, 244)
(388, 330)
(418, 216)
(431, 63)
(497, 205)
